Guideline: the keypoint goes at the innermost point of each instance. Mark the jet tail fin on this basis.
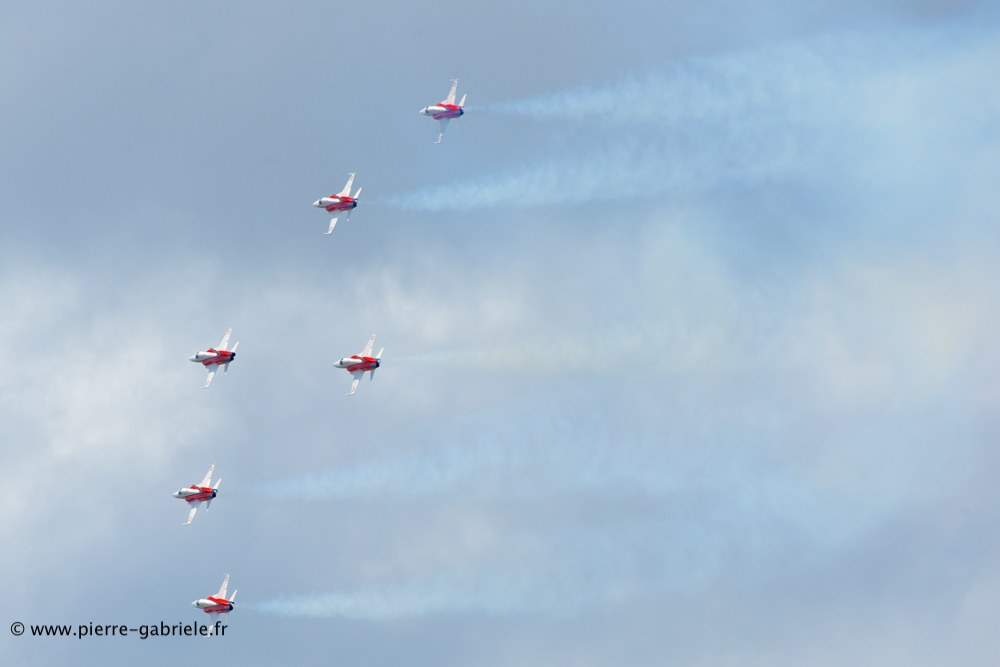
(234, 595)
(462, 103)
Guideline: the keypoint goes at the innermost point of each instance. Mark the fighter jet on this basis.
(445, 110)
(358, 364)
(195, 495)
(213, 358)
(217, 604)
(342, 201)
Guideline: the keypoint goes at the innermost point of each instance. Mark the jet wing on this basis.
(451, 93)
(347, 188)
(443, 126)
(224, 617)
(367, 352)
(224, 345)
(333, 223)
(208, 476)
(191, 513)
(354, 384)
(211, 375)
(222, 590)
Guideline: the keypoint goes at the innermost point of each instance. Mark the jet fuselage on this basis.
(335, 203)
(357, 363)
(214, 605)
(196, 493)
(212, 357)
(443, 110)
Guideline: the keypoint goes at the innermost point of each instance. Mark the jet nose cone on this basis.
(194, 604)
(316, 203)
(193, 357)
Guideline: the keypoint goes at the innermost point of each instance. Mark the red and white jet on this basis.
(213, 358)
(342, 201)
(362, 362)
(195, 495)
(217, 604)
(445, 110)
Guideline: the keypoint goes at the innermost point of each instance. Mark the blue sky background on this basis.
(690, 331)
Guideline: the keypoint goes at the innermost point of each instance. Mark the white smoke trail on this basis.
(573, 572)
(537, 451)
(798, 111)
(544, 453)
(627, 168)
(703, 123)
(724, 502)
(678, 552)
(475, 465)
(409, 600)
(731, 89)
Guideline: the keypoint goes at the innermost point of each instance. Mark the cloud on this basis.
(94, 398)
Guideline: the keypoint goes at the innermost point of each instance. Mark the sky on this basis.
(689, 331)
